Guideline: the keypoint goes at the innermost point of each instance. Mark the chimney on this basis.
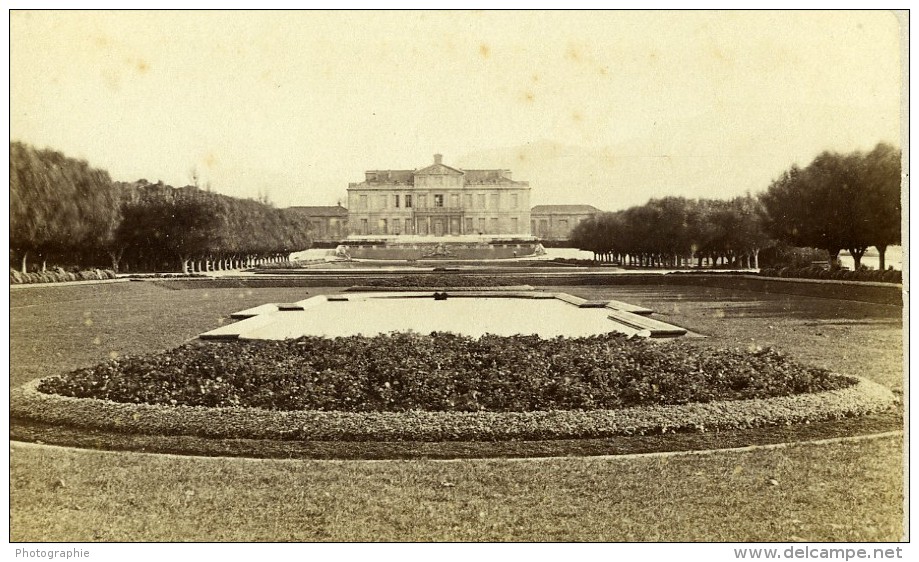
(438, 158)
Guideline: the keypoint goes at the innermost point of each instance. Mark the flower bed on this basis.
(442, 372)
(167, 276)
(287, 264)
(861, 398)
(439, 280)
(888, 276)
(59, 275)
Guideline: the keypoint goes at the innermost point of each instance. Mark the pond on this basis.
(545, 315)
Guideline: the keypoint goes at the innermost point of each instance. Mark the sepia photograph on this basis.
(459, 276)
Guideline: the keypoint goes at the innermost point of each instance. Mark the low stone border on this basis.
(27, 403)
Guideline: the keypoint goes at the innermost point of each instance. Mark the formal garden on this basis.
(761, 408)
(101, 341)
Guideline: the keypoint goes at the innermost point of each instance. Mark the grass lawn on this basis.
(846, 491)
(841, 492)
(57, 329)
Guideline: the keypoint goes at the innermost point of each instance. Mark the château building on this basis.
(556, 222)
(327, 223)
(439, 200)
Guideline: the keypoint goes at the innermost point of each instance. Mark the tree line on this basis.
(65, 212)
(839, 201)
(677, 232)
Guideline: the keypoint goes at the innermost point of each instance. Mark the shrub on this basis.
(789, 256)
(892, 276)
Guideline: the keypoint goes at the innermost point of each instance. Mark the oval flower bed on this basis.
(444, 387)
(443, 372)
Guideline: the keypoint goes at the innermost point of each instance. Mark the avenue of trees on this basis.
(678, 232)
(838, 202)
(64, 212)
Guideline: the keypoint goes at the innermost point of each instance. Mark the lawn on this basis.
(843, 491)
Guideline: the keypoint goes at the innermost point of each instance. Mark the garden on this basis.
(443, 386)
(132, 324)
(108, 370)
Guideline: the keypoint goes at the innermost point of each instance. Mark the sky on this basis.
(601, 108)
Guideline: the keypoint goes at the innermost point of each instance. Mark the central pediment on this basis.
(438, 170)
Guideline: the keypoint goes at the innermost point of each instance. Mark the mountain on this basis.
(715, 154)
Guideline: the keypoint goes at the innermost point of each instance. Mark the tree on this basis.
(59, 206)
(839, 201)
(749, 234)
(883, 202)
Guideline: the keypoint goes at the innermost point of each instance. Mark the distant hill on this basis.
(704, 155)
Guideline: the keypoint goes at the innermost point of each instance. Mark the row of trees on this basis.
(839, 201)
(675, 232)
(58, 205)
(64, 212)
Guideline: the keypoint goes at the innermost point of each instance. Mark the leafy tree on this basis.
(59, 206)
(839, 201)
(882, 201)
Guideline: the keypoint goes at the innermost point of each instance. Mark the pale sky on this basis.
(602, 108)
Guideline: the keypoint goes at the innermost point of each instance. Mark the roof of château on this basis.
(487, 176)
(564, 209)
(470, 177)
(391, 176)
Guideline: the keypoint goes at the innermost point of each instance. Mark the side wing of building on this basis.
(556, 222)
(327, 223)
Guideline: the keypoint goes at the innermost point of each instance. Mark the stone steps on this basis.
(232, 331)
(626, 307)
(611, 304)
(656, 328)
